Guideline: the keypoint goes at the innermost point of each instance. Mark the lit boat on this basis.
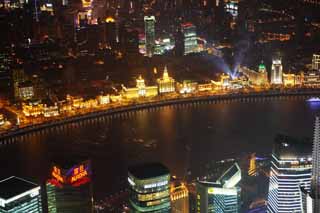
(314, 99)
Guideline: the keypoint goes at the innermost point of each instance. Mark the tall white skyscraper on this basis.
(316, 166)
(276, 71)
(149, 28)
(291, 167)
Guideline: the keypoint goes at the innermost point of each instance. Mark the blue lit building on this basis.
(222, 195)
(291, 168)
(149, 188)
(18, 196)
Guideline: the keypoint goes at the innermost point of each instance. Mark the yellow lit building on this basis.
(141, 90)
(1, 119)
(103, 99)
(288, 79)
(205, 87)
(187, 86)
(166, 84)
(33, 109)
(50, 110)
(256, 78)
(252, 165)
(179, 195)
(224, 82)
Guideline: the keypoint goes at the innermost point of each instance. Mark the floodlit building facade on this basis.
(223, 195)
(19, 195)
(141, 90)
(276, 71)
(291, 166)
(166, 84)
(149, 188)
(316, 62)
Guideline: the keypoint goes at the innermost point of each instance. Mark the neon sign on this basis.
(56, 173)
(78, 173)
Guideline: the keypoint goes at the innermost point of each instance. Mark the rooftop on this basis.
(148, 170)
(14, 186)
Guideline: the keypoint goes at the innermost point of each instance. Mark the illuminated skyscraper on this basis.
(149, 28)
(291, 167)
(190, 38)
(316, 62)
(222, 195)
(252, 165)
(69, 188)
(19, 195)
(276, 71)
(149, 188)
(316, 167)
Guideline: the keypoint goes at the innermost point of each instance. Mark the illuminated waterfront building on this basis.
(149, 28)
(316, 62)
(32, 108)
(291, 166)
(276, 71)
(190, 38)
(50, 109)
(256, 78)
(187, 86)
(69, 188)
(289, 80)
(311, 79)
(141, 90)
(179, 195)
(166, 83)
(103, 99)
(149, 188)
(19, 195)
(221, 195)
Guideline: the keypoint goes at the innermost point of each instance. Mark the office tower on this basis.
(19, 195)
(316, 166)
(149, 188)
(190, 38)
(220, 195)
(276, 71)
(149, 28)
(316, 62)
(291, 167)
(69, 189)
(166, 83)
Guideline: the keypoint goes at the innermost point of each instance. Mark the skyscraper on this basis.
(19, 195)
(69, 188)
(276, 70)
(149, 28)
(190, 38)
(221, 195)
(316, 166)
(149, 188)
(291, 166)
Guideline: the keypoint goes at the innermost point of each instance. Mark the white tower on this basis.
(276, 71)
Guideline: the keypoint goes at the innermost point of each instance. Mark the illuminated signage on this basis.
(56, 173)
(78, 173)
(163, 183)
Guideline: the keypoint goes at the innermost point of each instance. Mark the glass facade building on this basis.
(149, 27)
(221, 196)
(190, 38)
(19, 196)
(69, 190)
(149, 188)
(291, 166)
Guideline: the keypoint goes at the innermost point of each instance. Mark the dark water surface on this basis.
(208, 131)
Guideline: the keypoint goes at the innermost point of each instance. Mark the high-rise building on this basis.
(190, 38)
(291, 166)
(221, 195)
(69, 188)
(315, 194)
(316, 62)
(149, 28)
(19, 195)
(166, 83)
(149, 188)
(252, 171)
(276, 71)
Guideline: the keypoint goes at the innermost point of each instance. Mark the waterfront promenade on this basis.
(164, 101)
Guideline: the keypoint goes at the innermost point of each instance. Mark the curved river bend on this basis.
(180, 136)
